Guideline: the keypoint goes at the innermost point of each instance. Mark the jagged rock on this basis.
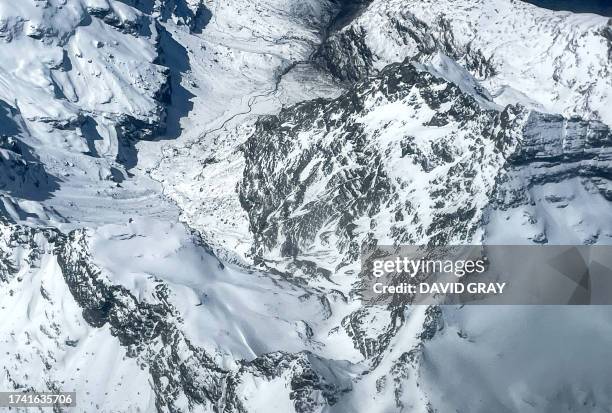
(488, 40)
(335, 173)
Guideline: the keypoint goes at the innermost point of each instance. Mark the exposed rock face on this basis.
(557, 149)
(404, 157)
(182, 375)
(522, 54)
(113, 14)
(348, 55)
(149, 331)
(332, 174)
(311, 383)
(432, 122)
(557, 166)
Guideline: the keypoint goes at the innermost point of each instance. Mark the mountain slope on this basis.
(186, 186)
(558, 62)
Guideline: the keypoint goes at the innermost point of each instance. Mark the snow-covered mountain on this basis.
(186, 186)
(557, 62)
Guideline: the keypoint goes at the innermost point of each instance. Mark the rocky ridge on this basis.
(426, 135)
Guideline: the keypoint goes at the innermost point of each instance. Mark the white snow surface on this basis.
(60, 65)
(232, 313)
(556, 61)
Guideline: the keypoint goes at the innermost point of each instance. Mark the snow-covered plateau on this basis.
(186, 186)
